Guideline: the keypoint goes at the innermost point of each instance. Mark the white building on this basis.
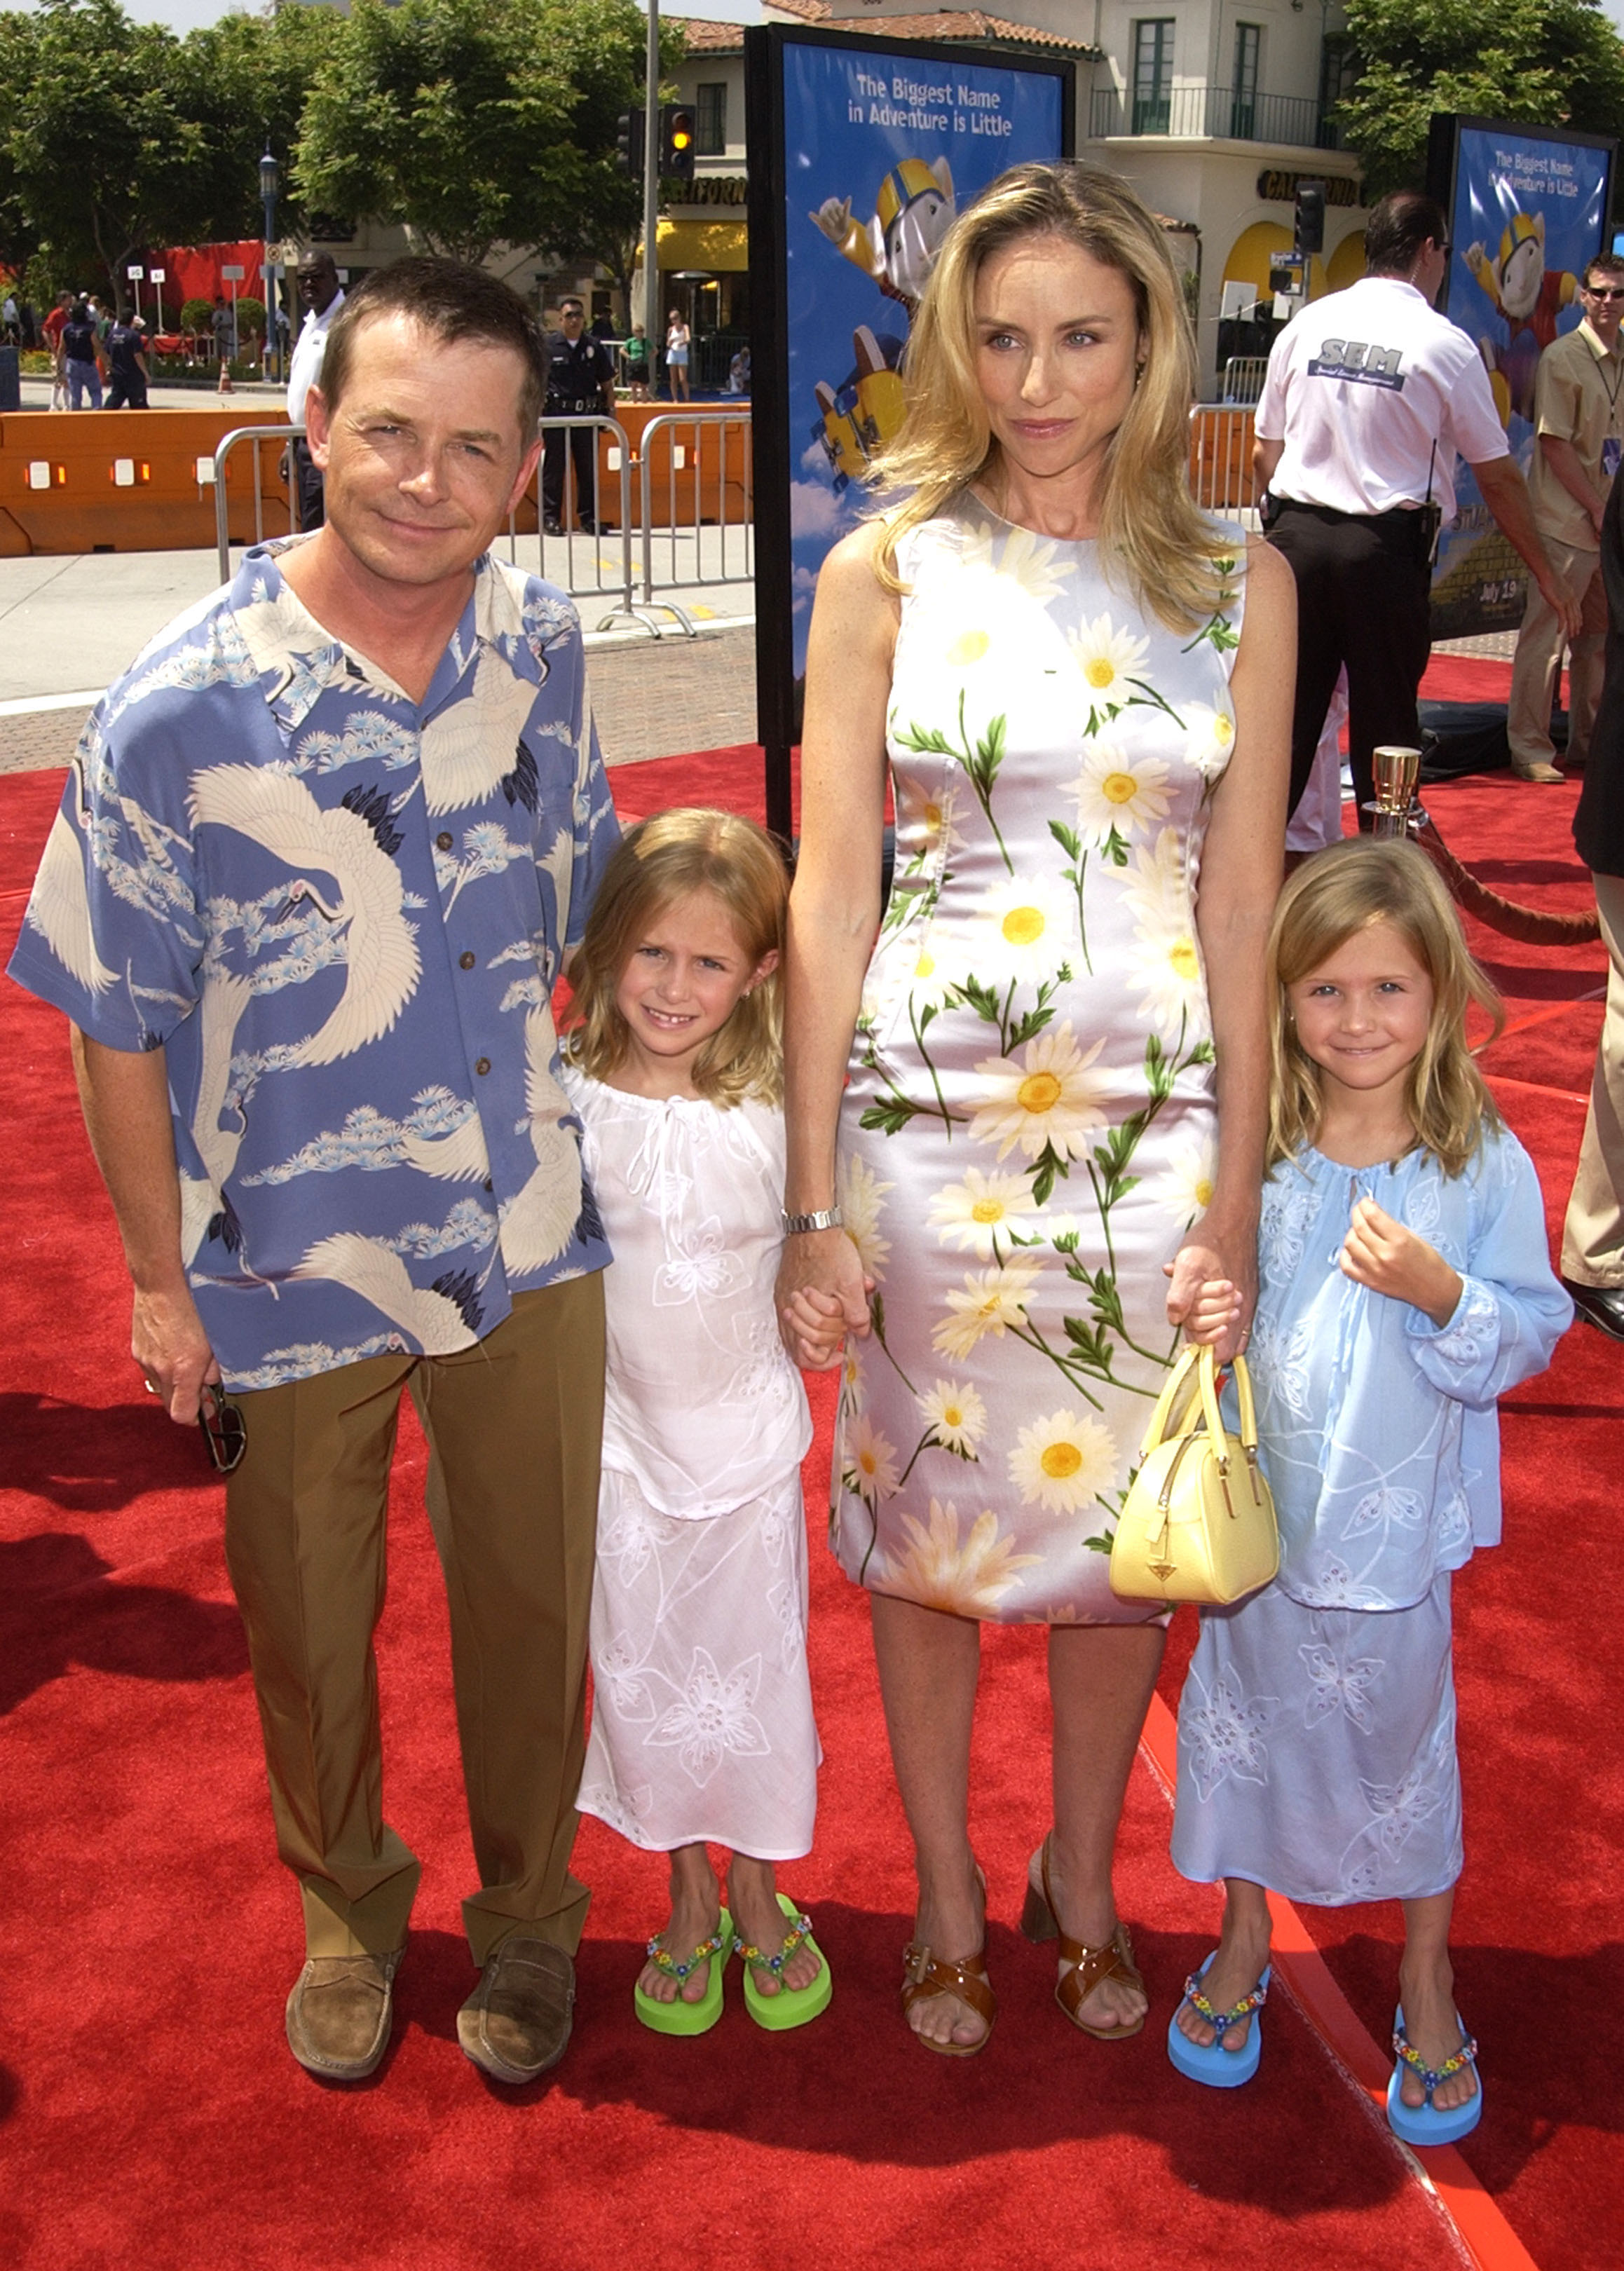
(1214, 109)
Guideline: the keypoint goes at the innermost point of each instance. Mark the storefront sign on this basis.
(1278, 188)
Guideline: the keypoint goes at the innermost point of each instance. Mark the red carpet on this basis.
(149, 2113)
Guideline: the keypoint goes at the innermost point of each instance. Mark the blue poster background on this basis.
(1528, 214)
(880, 150)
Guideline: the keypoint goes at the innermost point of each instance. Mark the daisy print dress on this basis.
(1030, 1126)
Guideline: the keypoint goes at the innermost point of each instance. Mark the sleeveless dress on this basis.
(1029, 1128)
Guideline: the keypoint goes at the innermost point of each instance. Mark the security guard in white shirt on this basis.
(1369, 396)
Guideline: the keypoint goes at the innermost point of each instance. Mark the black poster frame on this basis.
(1443, 150)
(777, 719)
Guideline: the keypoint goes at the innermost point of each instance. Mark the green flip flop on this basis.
(678, 2017)
(790, 2006)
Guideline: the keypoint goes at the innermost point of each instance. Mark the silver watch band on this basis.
(826, 1218)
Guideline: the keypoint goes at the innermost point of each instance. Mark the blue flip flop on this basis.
(678, 2017)
(1424, 2124)
(1210, 2062)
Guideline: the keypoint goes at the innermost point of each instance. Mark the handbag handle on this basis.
(1203, 1391)
(1157, 1431)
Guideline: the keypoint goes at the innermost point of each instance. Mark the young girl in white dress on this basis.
(1405, 1282)
(702, 1729)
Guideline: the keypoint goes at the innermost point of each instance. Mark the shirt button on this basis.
(466, 961)
(483, 1065)
(444, 840)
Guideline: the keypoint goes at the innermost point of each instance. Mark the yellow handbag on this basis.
(1199, 1521)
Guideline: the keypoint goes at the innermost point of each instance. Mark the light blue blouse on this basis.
(1379, 1431)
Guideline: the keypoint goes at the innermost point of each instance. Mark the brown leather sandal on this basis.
(925, 1976)
(1113, 1959)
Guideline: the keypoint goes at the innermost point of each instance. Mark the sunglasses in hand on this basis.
(224, 1435)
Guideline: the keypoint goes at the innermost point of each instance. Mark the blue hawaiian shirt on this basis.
(340, 913)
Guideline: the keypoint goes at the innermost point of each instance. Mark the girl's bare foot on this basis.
(696, 1913)
(1239, 1963)
(1431, 2022)
(759, 1922)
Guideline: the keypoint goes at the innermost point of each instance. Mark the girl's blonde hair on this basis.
(1151, 537)
(1332, 897)
(658, 862)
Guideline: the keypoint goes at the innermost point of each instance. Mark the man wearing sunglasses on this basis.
(319, 859)
(1579, 423)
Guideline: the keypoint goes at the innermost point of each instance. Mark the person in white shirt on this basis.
(1370, 395)
(1579, 421)
(321, 298)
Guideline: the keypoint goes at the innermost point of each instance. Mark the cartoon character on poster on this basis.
(896, 249)
(1528, 298)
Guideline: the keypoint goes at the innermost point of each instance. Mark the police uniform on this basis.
(1371, 392)
(578, 371)
(1577, 398)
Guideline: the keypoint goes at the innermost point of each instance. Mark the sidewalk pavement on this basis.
(70, 624)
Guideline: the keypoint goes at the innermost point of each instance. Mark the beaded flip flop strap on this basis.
(759, 1961)
(1224, 2020)
(664, 1960)
(1431, 2075)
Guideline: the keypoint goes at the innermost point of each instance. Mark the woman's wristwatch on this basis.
(826, 1218)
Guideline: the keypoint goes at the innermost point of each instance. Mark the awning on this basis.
(720, 247)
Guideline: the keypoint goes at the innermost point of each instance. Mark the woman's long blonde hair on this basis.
(1151, 537)
(1332, 897)
(659, 861)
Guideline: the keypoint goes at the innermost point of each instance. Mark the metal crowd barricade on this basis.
(586, 563)
(698, 501)
(1220, 461)
(1243, 378)
(283, 437)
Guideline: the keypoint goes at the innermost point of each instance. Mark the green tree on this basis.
(480, 122)
(20, 239)
(1549, 63)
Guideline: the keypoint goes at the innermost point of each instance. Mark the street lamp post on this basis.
(269, 181)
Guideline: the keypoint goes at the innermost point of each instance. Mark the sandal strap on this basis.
(665, 1962)
(1224, 2020)
(1113, 1959)
(1432, 2075)
(760, 1961)
(925, 1977)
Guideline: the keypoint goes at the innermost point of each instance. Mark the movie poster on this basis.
(1526, 213)
(866, 152)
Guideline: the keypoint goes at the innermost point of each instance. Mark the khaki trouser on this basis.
(514, 1426)
(1538, 659)
(1593, 1233)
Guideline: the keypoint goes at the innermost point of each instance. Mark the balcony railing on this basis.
(1213, 113)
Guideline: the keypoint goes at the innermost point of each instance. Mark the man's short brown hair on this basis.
(1610, 265)
(454, 301)
(1398, 230)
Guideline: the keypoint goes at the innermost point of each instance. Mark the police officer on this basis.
(1370, 394)
(580, 384)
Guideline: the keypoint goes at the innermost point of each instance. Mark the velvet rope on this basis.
(1532, 926)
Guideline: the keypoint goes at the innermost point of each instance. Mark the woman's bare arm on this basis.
(1241, 873)
(834, 908)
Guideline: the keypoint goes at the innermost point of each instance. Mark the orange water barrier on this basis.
(141, 480)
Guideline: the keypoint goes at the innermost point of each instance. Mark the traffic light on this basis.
(1310, 218)
(677, 142)
(628, 143)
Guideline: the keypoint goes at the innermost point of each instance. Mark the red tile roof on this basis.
(705, 36)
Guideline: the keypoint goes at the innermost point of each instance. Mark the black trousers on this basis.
(126, 393)
(308, 485)
(1363, 600)
(584, 450)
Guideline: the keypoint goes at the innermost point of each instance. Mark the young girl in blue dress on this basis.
(1405, 1284)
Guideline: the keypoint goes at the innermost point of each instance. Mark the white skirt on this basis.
(702, 1707)
(1317, 1751)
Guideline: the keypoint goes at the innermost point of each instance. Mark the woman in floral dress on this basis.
(1048, 1073)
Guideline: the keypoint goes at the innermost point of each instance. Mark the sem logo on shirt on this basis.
(1371, 366)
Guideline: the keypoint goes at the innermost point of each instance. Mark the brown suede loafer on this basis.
(338, 2013)
(516, 2024)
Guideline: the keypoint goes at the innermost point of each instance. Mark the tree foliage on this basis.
(1548, 62)
(477, 124)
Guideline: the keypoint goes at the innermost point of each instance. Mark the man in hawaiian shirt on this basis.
(319, 856)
